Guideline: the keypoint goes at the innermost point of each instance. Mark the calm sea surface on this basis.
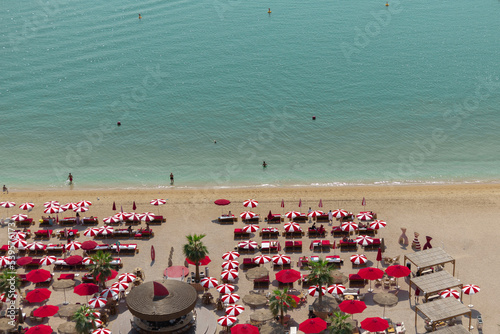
(408, 93)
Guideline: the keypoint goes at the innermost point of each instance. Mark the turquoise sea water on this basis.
(402, 94)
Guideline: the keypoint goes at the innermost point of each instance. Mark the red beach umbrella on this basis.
(114, 273)
(74, 245)
(40, 329)
(398, 271)
(27, 206)
(206, 260)
(250, 203)
(84, 203)
(340, 213)
(134, 207)
(288, 275)
(5, 261)
(87, 261)
(371, 274)
(53, 209)
(320, 205)
(122, 216)
(222, 202)
(7, 204)
(234, 310)
(46, 311)
(228, 265)
(247, 215)
(121, 286)
(81, 209)
(102, 331)
(86, 289)
(114, 206)
(364, 240)
(209, 282)
(314, 290)
(19, 243)
(377, 224)
(349, 226)
(97, 302)
(109, 292)
(261, 259)
(365, 216)
(111, 220)
(69, 206)
(374, 324)
(313, 325)
(352, 306)
(73, 260)
(249, 244)
(38, 275)
(379, 256)
(19, 218)
(36, 246)
(470, 289)
(127, 277)
(158, 201)
(244, 329)
(38, 295)
(281, 259)
(252, 228)
(229, 275)
(147, 216)
(91, 232)
(24, 260)
(89, 245)
(231, 255)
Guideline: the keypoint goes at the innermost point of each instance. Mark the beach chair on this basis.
(289, 246)
(261, 283)
(297, 246)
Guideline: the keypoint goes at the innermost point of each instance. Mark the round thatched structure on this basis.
(161, 301)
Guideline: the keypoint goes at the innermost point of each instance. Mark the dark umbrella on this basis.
(320, 203)
(134, 207)
(38, 295)
(385, 299)
(63, 284)
(374, 324)
(288, 275)
(40, 329)
(86, 289)
(24, 260)
(88, 245)
(313, 325)
(38, 275)
(45, 311)
(114, 206)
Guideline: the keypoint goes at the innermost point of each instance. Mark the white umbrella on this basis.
(91, 232)
(364, 240)
(450, 293)
(349, 226)
(121, 286)
(97, 302)
(225, 288)
(51, 203)
(109, 292)
(227, 320)
(336, 289)
(52, 209)
(27, 206)
(292, 227)
(17, 235)
(127, 277)
(209, 282)
(340, 213)
(35, 246)
(359, 259)
(158, 201)
(69, 206)
(111, 220)
(315, 213)
(19, 243)
(5, 261)
(81, 209)
(7, 204)
(470, 289)
(248, 244)
(19, 218)
(377, 224)
(292, 214)
(314, 291)
(106, 230)
(281, 259)
(87, 261)
(84, 203)
(234, 310)
(250, 203)
(74, 245)
(230, 298)
(147, 216)
(365, 216)
(122, 216)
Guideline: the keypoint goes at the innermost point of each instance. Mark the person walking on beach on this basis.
(70, 178)
(5, 190)
(330, 217)
(171, 178)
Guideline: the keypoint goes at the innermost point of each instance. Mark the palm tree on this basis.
(280, 302)
(84, 320)
(9, 280)
(339, 324)
(195, 251)
(101, 267)
(320, 275)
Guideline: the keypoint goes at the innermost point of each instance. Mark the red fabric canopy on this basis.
(314, 325)
(244, 329)
(352, 306)
(203, 262)
(398, 271)
(40, 329)
(46, 311)
(24, 261)
(222, 202)
(371, 273)
(38, 295)
(88, 245)
(38, 275)
(288, 275)
(86, 289)
(74, 260)
(374, 324)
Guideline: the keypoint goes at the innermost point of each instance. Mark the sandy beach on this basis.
(460, 218)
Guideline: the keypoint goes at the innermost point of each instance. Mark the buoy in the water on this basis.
(119, 123)
(314, 118)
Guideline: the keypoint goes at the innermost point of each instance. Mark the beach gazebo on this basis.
(432, 284)
(443, 310)
(429, 258)
(162, 307)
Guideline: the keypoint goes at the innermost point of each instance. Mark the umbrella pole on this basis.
(65, 301)
(470, 301)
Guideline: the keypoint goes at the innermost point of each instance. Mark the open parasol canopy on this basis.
(288, 275)
(38, 275)
(313, 325)
(38, 295)
(46, 311)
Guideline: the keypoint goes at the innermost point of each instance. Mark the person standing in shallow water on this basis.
(70, 178)
(171, 178)
(264, 165)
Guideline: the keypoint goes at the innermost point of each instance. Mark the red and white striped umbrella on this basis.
(122, 216)
(281, 259)
(27, 206)
(87, 261)
(248, 244)
(225, 288)
(234, 310)
(314, 290)
(7, 204)
(97, 323)
(292, 227)
(377, 224)
(349, 226)
(106, 230)
(69, 206)
(101, 331)
(364, 216)
(227, 320)
(121, 286)
(5, 261)
(470, 289)
(450, 293)
(261, 259)
(336, 289)
(109, 292)
(292, 214)
(252, 228)
(19, 243)
(315, 213)
(96, 314)
(74, 245)
(229, 275)
(47, 260)
(340, 213)
(111, 220)
(135, 217)
(35, 246)
(97, 302)
(231, 255)
(227, 265)
(230, 298)
(4, 297)
(84, 203)
(51, 203)
(250, 203)
(359, 259)
(91, 232)
(53, 209)
(147, 216)
(81, 209)
(209, 282)
(17, 235)
(247, 215)
(158, 201)
(364, 240)
(19, 218)
(127, 277)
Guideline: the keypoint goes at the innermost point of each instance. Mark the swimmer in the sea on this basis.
(140, 17)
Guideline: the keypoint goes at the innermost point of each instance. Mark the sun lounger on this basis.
(4, 249)
(90, 221)
(255, 219)
(348, 245)
(289, 246)
(296, 234)
(322, 218)
(334, 260)
(297, 246)
(71, 233)
(67, 221)
(225, 219)
(356, 281)
(35, 263)
(125, 248)
(314, 232)
(337, 232)
(248, 263)
(377, 243)
(120, 233)
(158, 220)
(270, 246)
(238, 233)
(143, 234)
(302, 218)
(269, 233)
(43, 234)
(275, 219)
(261, 283)
(366, 231)
(25, 223)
